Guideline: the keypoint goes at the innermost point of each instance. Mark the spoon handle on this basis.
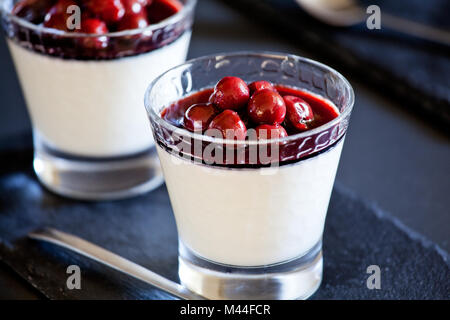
(114, 261)
(415, 29)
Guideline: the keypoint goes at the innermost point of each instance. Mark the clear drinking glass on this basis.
(84, 95)
(250, 231)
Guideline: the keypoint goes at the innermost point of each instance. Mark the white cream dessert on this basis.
(93, 108)
(251, 217)
(85, 92)
(246, 213)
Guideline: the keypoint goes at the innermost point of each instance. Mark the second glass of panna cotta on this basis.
(250, 209)
(83, 85)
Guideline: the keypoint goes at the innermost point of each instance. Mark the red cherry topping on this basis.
(57, 15)
(259, 85)
(133, 21)
(94, 26)
(230, 125)
(266, 106)
(269, 131)
(108, 10)
(198, 116)
(134, 6)
(230, 93)
(159, 10)
(299, 112)
(32, 10)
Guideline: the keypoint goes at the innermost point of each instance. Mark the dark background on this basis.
(392, 157)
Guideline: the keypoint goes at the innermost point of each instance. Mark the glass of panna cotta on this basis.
(249, 144)
(84, 66)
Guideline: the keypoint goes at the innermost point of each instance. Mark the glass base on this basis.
(97, 179)
(295, 279)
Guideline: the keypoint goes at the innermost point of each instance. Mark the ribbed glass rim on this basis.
(347, 108)
(188, 7)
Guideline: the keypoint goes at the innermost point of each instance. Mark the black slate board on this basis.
(143, 230)
(414, 71)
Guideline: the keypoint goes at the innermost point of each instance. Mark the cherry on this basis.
(57, 15)
(230, 93)
(134, 6)
(230, 125)
(94, 26)
(108, 10)
(159, 10)
(133, 21)
(266, 106)
(299, 112)
(33, 11)
(270, 131)
(259, 85)
(198, 116)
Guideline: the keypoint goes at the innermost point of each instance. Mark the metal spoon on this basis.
(114, 261)
(348, 13)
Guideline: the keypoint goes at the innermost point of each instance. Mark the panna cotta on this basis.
(84, 87)
(249, 144)
(235, 207)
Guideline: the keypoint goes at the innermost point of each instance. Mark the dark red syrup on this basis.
(289, 152)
